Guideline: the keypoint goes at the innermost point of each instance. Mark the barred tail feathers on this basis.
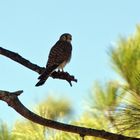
(44, 76)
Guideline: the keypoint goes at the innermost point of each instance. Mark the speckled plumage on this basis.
(59, 56)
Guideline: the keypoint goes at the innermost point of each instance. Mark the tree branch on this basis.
(19, 59)
(11, 98)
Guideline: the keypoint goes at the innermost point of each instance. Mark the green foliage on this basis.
(51, 108)
(26, 130)
(104, 98)
(102, 102)
(128, 116)
(5, 133)
(126, 60)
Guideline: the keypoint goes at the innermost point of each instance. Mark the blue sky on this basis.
(31, 28)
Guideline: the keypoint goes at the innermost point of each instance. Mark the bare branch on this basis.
(19, 59)
(11, 98)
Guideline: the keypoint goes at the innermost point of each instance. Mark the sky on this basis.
(32, 27)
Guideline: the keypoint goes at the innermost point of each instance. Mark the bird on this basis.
(59, 55)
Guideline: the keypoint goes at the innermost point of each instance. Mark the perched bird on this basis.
(59, 56)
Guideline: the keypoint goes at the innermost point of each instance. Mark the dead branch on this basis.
(11, 98)
(19, 59)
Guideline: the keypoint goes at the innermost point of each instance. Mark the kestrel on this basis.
(59, 56)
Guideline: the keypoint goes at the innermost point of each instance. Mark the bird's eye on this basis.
(69, 38)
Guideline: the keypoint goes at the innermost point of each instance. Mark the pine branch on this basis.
(19, 59)
(11, 98)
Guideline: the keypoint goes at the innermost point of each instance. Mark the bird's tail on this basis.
(44, 76)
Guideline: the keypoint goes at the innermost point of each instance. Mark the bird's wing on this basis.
(59, 53)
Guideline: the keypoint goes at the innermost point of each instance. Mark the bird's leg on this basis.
(62, 70)
(58, 70)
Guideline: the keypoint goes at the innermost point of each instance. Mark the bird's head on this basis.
(66, 37)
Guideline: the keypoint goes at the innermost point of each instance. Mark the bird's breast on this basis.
(62, 65)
